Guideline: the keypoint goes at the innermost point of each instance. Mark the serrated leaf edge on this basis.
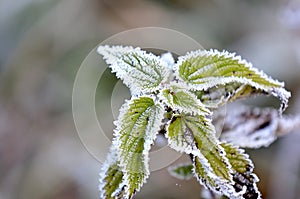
(115, 64)
(149, 138)
(278, 92)
(177, 87)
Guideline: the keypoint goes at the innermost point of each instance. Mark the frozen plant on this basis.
(178, 100)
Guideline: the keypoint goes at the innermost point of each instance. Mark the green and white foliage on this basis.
(225, 72)
(179, 99)
(141, 72)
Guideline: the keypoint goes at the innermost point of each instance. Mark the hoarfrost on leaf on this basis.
(140, 71)
(111, 177)
(182, 100)
(243, 176)
(178, 99)
(203, 70)
(168, 58)
(137, 125)
(196, 137)
(250, 127)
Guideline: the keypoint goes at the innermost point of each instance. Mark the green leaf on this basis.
(182, 100)
(111, 178)
(218, 96)
(182, 171)
(138, 123)
(242, 166)
(205, 178)
(206, 141)
(141, 72)
(203, 70)
(195, 135)
(238, 158)
(179, 138)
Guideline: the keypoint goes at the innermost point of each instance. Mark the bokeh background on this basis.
(42, 44)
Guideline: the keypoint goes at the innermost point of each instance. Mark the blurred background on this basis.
(42, 44)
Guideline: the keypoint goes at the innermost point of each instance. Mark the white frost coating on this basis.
(245, 156)
(209, 82)
(145, 73)
(255, 128)
(154, 115)
(153, 127)
(207, 168)
(284, 96)
(251, 128)
(184, 141)
(186, 101)
(180, 144)
(140, 71)
(250, 167)
(110, 160)
(226, 54)
(223, 186)
(168, 58)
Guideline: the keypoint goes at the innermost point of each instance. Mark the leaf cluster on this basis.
(179, 99)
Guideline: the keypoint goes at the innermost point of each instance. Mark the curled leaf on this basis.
(256, 127)
(203, 70)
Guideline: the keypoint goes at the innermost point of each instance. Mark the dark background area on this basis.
(42, 44)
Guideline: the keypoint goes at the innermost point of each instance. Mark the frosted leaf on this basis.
(179, 138)
(111, 182)
(182, 171)
(216, 97)
(137, 125)
(140, 71)
(182, 100)
(244, 185)
(243, 175)
(203, 70)
(200, 171)
(168, 58)
(255, 127)
(177, 104)
(196, 137)
(212, 182)
(206, 141)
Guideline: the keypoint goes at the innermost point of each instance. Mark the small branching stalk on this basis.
(179, 99)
